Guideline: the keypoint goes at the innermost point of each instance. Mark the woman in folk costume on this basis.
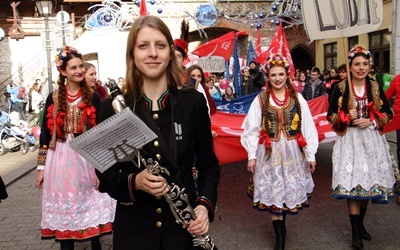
(72, 207)
(281, 141)
(363, 167)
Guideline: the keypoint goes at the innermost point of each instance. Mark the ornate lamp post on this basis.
(45, 8)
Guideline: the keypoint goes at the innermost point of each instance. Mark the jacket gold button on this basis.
(156, 144)
(158, 224)
(158, 197)
(158, 156)
(159, 210)
(155, 116)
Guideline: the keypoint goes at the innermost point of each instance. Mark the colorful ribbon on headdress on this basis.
(374, 112)
(264, 139)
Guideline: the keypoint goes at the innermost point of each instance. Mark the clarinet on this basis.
(176, 197)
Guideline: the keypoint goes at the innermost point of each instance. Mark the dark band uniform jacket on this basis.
(145, 220)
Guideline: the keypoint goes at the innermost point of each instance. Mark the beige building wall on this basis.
(342, 43)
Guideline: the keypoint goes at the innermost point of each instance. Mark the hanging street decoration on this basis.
(263, 15)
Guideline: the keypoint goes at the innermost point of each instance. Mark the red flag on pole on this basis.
(221, 46)
(258, 42)
(143, 9)
(279, 46)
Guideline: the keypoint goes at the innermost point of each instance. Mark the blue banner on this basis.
(237, 78)
(251, 54)
(238, 105)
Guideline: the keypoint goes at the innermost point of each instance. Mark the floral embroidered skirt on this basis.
(363, 167)
(71, 206)
(282, 182)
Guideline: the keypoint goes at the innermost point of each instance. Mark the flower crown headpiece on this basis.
(64, 52)
(277, 60)
(359, 49)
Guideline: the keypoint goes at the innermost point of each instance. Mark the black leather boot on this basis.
(280, 237)
(67, 245)
(284, 225)
(355, 221)
(95, 244)
(364, 234)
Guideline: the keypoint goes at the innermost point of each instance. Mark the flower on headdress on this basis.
(64, 52)
(277, 60)
(359, 49)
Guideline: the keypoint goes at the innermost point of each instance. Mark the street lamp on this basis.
(45, 8)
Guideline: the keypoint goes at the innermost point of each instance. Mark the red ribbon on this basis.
(343, 117)
(374, 112)
(264, 139)
(300, 140)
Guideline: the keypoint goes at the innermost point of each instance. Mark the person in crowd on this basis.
(362, 167)
(198, 82)
(92, 82)
(394, 92)
(72, 207)
(326, 75)
(121, 81)
(8, 93)
(44, 89)
(334, 73)
(299, 83)
(179, 117)
(181, 44)
(314, 87)
(36, 98)
(214, 91)
(229, 95)
(332, 81)
(342, 72)
(39, 83)
(3, 191)
(308, 74)
(258, 76)
(248, 85)
(17, 102)
(281, 141)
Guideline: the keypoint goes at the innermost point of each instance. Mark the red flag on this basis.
(279, 46)
(143, 9)
(258, 42)
(221, 46)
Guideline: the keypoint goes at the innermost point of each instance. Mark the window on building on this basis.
(353, 41)
(379, 45)
(330, 55)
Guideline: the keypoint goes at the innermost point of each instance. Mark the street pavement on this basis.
(237, 226)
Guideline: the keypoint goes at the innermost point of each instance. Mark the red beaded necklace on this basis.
(360, 97)
(277, 101)
(72, 98)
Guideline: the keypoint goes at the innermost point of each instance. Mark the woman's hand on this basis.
(251, 164)
(353, 114)
(311, 166)
(39, 179)
(200, 225)
(362, 122)
(152, 184)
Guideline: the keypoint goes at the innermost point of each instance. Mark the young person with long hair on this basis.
(72, 207)
(179, 117)
(362, 165)
(281, 141)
